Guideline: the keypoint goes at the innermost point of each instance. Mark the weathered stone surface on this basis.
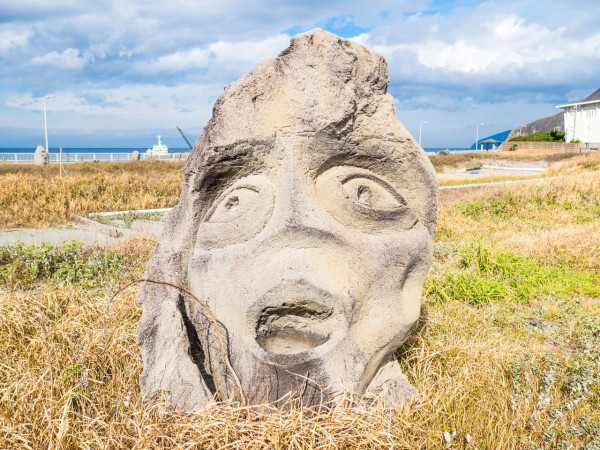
(305, 222)
(40, 156)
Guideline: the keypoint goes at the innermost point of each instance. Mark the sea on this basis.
(172, 150)
(89, 150)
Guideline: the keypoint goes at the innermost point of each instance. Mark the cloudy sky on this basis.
(121, 71)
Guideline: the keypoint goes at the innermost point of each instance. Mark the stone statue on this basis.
(40, 156)
(306, 224)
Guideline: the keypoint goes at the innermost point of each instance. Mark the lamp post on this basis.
(420, 129)
(477, 135)
(46, 124)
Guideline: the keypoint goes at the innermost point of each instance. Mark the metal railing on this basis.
(27, 158)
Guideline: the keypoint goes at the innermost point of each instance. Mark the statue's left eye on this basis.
(364, 200)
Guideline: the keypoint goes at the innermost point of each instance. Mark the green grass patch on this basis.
(70, 263)
(488, 274)
(544, 200)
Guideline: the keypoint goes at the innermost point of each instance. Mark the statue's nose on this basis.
(298, 207)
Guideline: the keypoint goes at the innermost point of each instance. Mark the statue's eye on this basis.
(234, 205)
(361, 199)
(237, 214)
(372, 193)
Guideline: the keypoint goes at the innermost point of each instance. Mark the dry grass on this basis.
(38, 197)
(510, 373)
(482, 371)
(467, 159)
(558, 218)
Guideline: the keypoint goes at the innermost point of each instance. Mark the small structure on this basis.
(582, 120)
(40, 156)
(158, 149)
(489, 144)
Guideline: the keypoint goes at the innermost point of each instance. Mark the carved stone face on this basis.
(309, 233)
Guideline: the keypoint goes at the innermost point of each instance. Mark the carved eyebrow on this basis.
(365, 157)
(227, 162)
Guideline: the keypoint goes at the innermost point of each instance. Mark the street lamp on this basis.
(420, 128)
(477, 136)
(46, 124)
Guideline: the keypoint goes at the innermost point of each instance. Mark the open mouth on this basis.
(295, 317)
(294, 326)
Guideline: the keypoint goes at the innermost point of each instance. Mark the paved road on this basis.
(59, 235)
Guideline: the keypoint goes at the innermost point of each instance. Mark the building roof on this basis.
(589, 102)
(490, 141)
(594, 97)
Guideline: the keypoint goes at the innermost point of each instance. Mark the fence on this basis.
(27, 158)
(545, 147)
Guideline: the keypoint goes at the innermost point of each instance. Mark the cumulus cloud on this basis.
(13, 37)
(148, 60)
(217, 53)
(70, 58)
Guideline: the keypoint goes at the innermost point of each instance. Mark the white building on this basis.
(582, 121)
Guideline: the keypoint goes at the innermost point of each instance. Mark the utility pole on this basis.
(420, 128)
(46, 124)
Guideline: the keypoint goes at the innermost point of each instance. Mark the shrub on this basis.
(541, 136)
(69, 263)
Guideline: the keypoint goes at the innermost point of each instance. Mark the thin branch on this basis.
(205, 309)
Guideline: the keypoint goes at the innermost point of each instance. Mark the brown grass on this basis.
(38, 197)
(510, 375)
(60, 387)
(558, 218)
(467, 159)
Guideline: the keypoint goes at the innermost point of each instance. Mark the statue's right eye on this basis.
(237, 214)
(234, 205)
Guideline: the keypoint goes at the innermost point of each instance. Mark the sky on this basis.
(119, 72)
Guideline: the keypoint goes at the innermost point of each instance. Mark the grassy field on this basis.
(507, 354)
(38, 197)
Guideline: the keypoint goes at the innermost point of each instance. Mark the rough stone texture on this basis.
(305, 222)
(40, 156)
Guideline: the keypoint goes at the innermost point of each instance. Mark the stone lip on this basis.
(295, 322)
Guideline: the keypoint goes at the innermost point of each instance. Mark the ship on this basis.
(158, 149)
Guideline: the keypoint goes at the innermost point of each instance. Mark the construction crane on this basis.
(185, 138)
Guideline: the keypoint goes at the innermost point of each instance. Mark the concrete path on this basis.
(56, 236)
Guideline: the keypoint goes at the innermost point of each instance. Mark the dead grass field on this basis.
(38, 197)
(507, 355)
(463, 160)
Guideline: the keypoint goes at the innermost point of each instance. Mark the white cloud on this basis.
(70, 58)
(148, 62)
(126, 106)
(214, 54)
(505, 42)
(13, 37)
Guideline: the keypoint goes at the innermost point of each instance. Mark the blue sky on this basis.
(120, 72)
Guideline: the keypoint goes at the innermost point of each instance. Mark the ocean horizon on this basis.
(143, 149)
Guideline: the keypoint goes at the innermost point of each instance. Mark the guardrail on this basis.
(27, 158)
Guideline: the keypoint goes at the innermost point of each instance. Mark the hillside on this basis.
(547, 123)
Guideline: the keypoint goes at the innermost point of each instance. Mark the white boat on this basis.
(158, 149)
